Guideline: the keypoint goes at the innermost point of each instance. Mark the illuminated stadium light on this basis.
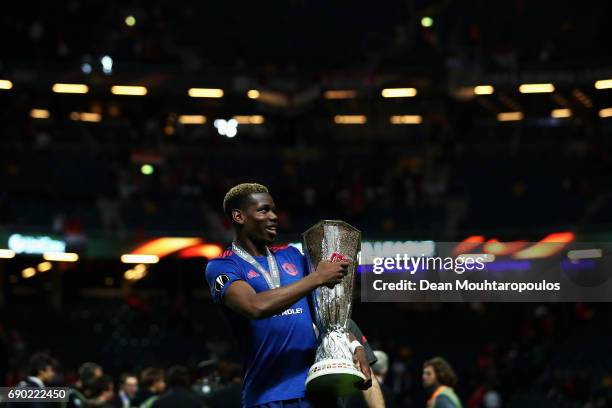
(70, 88)
(227, 128)
(129, 90)
(399, 92)
(205, 93)
(340, 94)
(86, 68)
(27, 244)
(192, 119)
(509, 116)
(253, 94)
(249, 119)
(536, 88)
(605, 113)
(561, 113)
(107, 64)
(578, 254)
(61, 256)
(136, 273)
(139, 258)
(28, 273)
(7, 253)
(130, 21)
(44, 266)
(5, 84)
(86, 116)
(427, 21)
(603, 84)
(406, 119)
(484, 90)
(146, 169)
(350, 119)
(40, 114)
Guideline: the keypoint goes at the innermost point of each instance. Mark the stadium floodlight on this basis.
(7, 253)
(604, 84)
(130, 21)
(147, 169)
(70, 88)
(253, 94)
(406, 119)
(605, 113)
(5, 84)
(484, 90)
(249, 119)
(561, 113)
(427, 21)
(40, 114)
(61, 256)
(86, 116)
(205, 93)
(227, 128)
(192, 119)
(536, 88)
(44, 266)
(129, 90)
(28, 272)
(509, 116)
(139, 258)
(399, 92)
(107, 64)
(340, 94)
(350, 119)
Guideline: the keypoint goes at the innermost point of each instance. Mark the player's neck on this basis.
(251, 247)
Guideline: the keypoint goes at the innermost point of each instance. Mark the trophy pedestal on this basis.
(334, 376)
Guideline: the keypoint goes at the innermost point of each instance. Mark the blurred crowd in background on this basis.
(530, 355)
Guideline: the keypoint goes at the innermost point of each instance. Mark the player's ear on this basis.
(238, 216)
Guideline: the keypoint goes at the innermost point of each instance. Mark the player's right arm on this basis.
(239, 296)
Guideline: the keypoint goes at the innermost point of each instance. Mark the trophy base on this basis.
(334, 376)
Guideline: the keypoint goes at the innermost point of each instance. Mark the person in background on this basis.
(128, 387)
(439, 378)
(178, 394)
(380, 370)
(41, 370)
(80, 394)
(152, 384)
(102, 391)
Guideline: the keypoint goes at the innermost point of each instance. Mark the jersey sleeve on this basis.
(220, 273)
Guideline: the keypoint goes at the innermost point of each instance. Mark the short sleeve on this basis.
(220, 273)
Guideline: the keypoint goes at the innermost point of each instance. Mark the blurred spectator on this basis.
(439, 379)
(178, 393)
(152, 384)
(128, 387)
(81, 393)
(102, 391)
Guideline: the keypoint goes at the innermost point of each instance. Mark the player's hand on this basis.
(331, 273)
(361, 359)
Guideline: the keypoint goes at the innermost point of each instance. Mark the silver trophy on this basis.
(333, 371)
